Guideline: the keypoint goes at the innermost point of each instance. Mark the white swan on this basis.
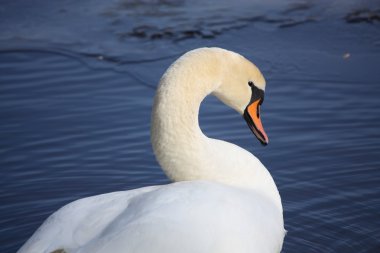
(223, 198)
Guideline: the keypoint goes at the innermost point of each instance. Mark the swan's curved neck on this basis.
(181, 148)
(177, 139)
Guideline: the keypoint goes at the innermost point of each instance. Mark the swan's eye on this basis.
(250, 83)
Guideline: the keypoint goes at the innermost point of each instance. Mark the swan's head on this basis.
(243, 88)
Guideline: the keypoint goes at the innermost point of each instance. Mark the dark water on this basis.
(75, 108)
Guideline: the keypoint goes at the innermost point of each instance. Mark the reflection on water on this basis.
(75, 124)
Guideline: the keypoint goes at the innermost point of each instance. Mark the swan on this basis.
(222, 199)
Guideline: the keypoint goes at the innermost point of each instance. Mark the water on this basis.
(75, 109)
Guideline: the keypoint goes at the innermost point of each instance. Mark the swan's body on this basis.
(224, 199)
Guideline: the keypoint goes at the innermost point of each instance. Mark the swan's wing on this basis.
(78, 222)
(194, 216)
(186, 217)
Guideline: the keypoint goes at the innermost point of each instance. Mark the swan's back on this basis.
(196, 216)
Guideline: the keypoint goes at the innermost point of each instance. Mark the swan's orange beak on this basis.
(252, 116)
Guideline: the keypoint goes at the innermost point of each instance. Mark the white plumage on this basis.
(223, 198)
